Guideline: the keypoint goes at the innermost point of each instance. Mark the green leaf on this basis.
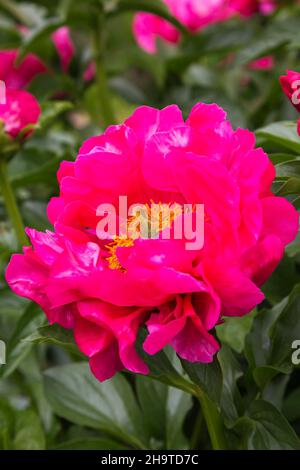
(218, 381)
(29, 434)
(258, 341)
(57, 336)
(23, 13)
(263, 375)
(33, 378)
(288, 168)
(90, 443)
(234, 331)
(164, 410)
(231, 401)
(282, 133)
(286, 330)
(273, 37)
(43, 174)
(280, 284)
(207, 376)
(9, 37)
(37, 34)
(17, 349)
(38, 161)
(52, 110)
(269, 345)
(200, 75)
(275, 390)
(20, 429)
(293, 248)
(165, 367)
(281, 158)
(6, 425)
(291, 407)
(128, 90)
(287, 187)
(178, 404)
(11, 305)
(76, 395)
(261, 47)
(265, 428)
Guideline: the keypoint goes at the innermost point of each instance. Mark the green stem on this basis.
(197, 431)
(11, 204)
(213, 421)
(104, 97)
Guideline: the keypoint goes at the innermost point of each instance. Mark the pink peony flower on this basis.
(106, 289)
(267, 7)
(147, 28)
(195, 15)
(191, 13)
(19, 111)
(290, 84)
(64, 46)
(19, 76)
(263, 63)
(249, 7)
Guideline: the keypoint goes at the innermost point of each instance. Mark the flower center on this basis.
(147, 222)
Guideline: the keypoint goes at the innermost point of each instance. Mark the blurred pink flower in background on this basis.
(263, 63)
(106, 289)
(290, 84)
(267, 7)
(147, 28)
(194, 15)
(64, 46)
(19, 76)
(20, 110)
(90, 72)
(249, 7)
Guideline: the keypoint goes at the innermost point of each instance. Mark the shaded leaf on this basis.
(164, 410)
(37, 34)
(207, 376)
(234, 330)
(29, 434)
(57, 336)
(282, 133)
(90, 444)
(265, 428)
(76, 395)
(17, 349)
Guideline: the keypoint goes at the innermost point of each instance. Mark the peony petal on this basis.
(279, 218)
(106, 363)
(260, 261)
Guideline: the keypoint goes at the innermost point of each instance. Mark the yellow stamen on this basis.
(156, 218)
(113, 261)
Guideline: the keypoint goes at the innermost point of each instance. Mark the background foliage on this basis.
(48, 397)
